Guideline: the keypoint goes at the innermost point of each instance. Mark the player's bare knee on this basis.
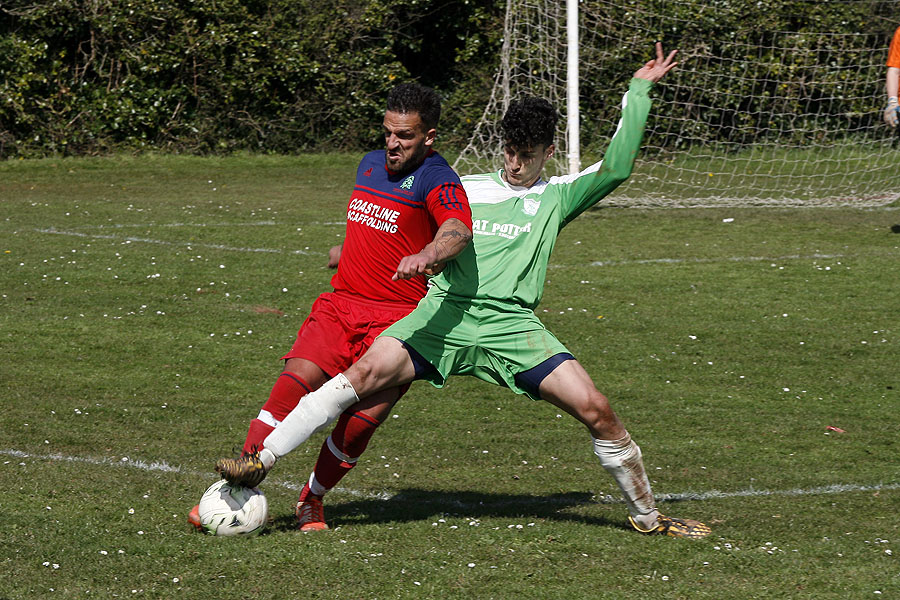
(359, 374)
(365, 375)
(599, 415)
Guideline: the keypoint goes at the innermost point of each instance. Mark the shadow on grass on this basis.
(428, 505)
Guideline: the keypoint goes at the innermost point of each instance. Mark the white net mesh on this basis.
(532, 61)
(751, 115)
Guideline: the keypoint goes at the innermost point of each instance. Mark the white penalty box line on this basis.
(676, 261)
(162, 466)
(596, 263)
(132, 239)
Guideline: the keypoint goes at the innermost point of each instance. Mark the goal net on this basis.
(772, 103)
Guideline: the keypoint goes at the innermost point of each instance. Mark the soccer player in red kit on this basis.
(408, 214)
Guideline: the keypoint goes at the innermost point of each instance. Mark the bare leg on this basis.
(570, 388)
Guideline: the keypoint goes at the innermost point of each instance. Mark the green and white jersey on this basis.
(515, 228)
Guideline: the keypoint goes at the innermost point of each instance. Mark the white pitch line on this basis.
(198, 225)
(202, 225)
(676, 261)
(596, 263)
(837, 488)
(123, 462)
(165, 243)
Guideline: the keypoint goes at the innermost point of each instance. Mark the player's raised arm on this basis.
(618, 161)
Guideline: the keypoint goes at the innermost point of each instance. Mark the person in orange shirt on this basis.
(892, 81)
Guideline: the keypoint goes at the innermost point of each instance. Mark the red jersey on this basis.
(391, 216)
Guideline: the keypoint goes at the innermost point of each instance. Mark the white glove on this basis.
(890, 112)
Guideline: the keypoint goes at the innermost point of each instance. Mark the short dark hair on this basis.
(414, 98)
(528, 122)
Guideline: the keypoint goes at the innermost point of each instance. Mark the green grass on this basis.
(145, 302)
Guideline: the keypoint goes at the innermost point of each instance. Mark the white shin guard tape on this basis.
(622, 459)
(314, 412)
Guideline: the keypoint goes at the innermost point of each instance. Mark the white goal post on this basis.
(763, 109)
(573, 115)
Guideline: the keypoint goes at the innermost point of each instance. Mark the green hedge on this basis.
(209, 76)
(284, 76)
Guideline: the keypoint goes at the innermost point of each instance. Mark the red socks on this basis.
(338, 455)
(285, 395)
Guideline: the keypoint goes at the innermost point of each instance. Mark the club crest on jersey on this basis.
(531, 206)
(408, 183)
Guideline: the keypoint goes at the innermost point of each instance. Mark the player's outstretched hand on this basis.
(655, 69)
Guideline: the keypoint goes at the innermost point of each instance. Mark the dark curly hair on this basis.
(414, 98)
(529, 122)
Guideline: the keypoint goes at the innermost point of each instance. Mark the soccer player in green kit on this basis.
(478, 319)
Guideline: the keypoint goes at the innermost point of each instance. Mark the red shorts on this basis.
(340, 328)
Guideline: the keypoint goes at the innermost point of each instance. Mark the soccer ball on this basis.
(227, 509)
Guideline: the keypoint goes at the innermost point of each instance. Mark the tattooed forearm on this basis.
(452, 237)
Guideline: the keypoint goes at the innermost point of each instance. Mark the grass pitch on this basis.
(752, 353)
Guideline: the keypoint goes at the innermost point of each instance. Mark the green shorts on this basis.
(487, 339)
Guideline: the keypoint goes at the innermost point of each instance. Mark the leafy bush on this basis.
(209, 76)
(285, 76)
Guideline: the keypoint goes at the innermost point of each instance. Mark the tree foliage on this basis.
(207, 76)
(215, 76)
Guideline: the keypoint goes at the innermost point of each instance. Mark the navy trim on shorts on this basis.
(531, 379)
(422, 367)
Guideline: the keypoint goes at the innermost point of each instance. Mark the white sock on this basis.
(622, 459)
(315, 411)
